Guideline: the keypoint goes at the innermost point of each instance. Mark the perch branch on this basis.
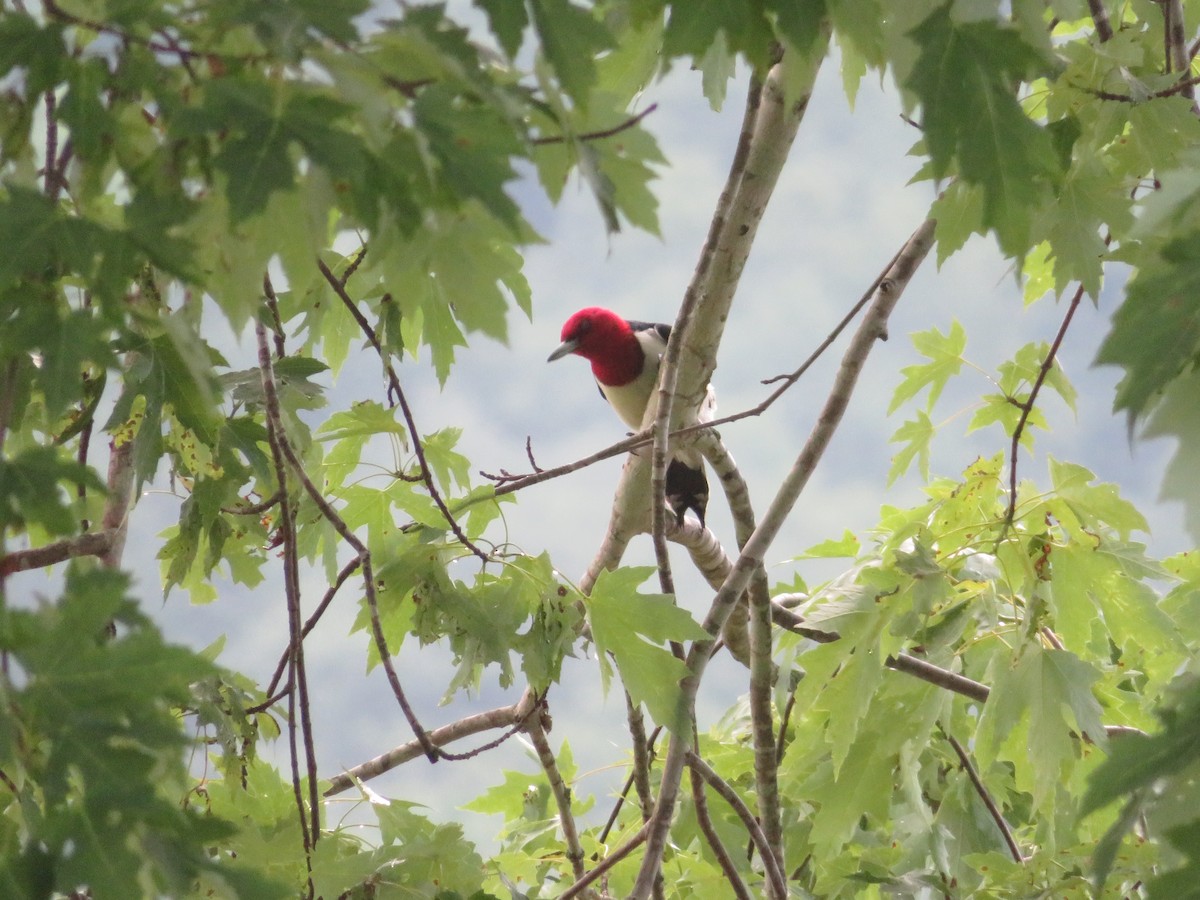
(751, 557)
(774, 130)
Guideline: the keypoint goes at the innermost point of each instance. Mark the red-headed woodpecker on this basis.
(625, 357)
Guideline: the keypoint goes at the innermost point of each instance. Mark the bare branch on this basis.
(368, 577)
(502, 717)
(97, 543)
(774, 130)
(643, 756)
(347, 570)
(766, 771)
(115, 521)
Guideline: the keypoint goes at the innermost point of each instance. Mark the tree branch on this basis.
(96, 543)
(751, 557)
(700, 802)
(510, 717)
(562, 794)
(775, 874)
(1100, 17)
(310, 819)
(607, 863)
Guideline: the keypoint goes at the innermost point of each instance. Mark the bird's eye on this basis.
(582, 327)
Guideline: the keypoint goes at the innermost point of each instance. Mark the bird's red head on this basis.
(606, 340)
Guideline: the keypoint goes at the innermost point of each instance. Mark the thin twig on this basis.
(1027, 406)
(986, 797)
(54, 11)
(608, 862)
(394, 390)
(631, 781)
(346, 571)
(1183, 86)
(643, 756)
(368, 577)
(273, 306)
(254, 509)
(597, 135)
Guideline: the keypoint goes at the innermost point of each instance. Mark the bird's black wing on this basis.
(664, 331)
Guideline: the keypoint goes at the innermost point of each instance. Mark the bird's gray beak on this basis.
(565, 348)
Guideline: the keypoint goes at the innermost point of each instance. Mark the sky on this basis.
(842, 209)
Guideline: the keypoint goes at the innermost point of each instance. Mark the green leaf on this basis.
(1088, 200)
(917, 434)
(945, 354)
(1007, 411)
(972, 66)
(692, 29)
(473, 145)
(634, 628)
(717, 68)
(572, 37)
(37, 49)
(847, 546)
(1096, 505)
(508, 22)
(1156, 331)
(959, 214)
(862, 788)
(30, 492)
(1178, 415)
(1137, 761)
(1046, 685)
